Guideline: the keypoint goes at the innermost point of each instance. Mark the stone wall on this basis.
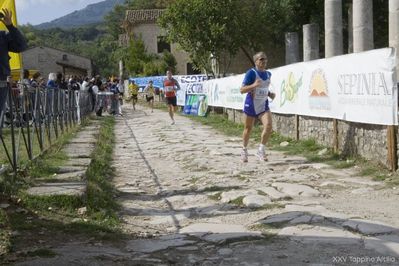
(365, 140)
(149, 33)
(47, 60)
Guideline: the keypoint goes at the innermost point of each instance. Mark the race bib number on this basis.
(262, 92)
(169, 88)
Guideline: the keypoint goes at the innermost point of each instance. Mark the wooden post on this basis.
(296, 127)
(335, 135)
(392, 148)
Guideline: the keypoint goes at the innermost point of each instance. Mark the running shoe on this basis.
(261, 155)
(244, 155)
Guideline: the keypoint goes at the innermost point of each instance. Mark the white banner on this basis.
(360, 87)
(190, 84)
(225, 92)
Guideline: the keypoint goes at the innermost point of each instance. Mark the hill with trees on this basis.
(92, 14)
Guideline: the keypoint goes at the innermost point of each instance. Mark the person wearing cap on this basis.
(10, 41)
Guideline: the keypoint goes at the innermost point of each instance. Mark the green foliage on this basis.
(63, 202)
(5, 234)
(113, 21)
(148, 4)
(136, 56)
(206, 28)
(169, 60)
(100, 192)
(42, 253)
(203, 29)
(138, 62)
(89, 41)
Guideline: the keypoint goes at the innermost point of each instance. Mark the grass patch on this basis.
(194, 179)
(242, 177)
(238, 201)
(47, 165)
(101, 205)
(223, 125)
(5, 241)
(272, 206)
(66, 203)
(216, 196)
(49, 147)
(260, 192)
(42, 253)
(267, 232)
(58, 215)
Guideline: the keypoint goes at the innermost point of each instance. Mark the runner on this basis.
(170, 86)
(134, 91)
(149, 90)
(256, 84)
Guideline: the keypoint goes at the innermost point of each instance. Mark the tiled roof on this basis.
(142, 15)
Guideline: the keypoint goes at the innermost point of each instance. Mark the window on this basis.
(163, 44)
(191, 70)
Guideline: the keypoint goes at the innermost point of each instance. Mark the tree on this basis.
(170, 61)
(203, 29)
(220, 29)
(136, 56)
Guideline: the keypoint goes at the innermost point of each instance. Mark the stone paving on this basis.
(70, 179)
(188, 200)
(186, 191)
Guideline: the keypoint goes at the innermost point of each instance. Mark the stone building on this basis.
(143, 23)
(47, 60)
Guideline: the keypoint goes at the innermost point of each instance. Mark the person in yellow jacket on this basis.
(150, 92)
(134, 92)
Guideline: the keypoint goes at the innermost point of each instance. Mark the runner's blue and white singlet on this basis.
(256, 102)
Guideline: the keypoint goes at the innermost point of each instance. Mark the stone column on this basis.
(394, 30)
(333, 27)
(291, 48)
(310, 42)
(363, 39)
(350, 29)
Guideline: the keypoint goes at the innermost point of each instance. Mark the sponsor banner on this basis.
(196, 104)
(142, 82)
(225, 92)
(359, 87)
(189, 84)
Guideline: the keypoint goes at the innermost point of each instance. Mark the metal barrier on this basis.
(33, 118)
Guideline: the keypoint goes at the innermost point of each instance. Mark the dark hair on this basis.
(36, 75)
(59, 76)
(26, 73)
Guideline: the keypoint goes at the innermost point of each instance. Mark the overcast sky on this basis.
(39, 11)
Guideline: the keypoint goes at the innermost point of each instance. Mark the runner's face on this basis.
(261, 62)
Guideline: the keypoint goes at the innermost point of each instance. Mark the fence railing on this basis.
(33, 118)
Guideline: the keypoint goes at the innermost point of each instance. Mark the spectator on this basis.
(11, 41)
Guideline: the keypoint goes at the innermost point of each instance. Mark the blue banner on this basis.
(143, 82)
